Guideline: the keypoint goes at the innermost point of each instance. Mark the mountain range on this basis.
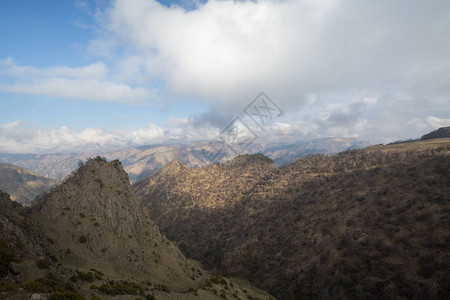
(23, 185)
(142, 161)
(370, 223)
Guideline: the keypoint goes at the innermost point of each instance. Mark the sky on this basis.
(77, 74)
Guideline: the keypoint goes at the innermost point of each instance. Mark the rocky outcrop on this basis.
(95, 222)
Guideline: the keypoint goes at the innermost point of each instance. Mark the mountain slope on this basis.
(97, 205)
(89, 237)
(95, 222)
(20, 241)
(23, 185)
(369, 223)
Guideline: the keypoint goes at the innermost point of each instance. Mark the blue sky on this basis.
(128, 73)
(53, 33)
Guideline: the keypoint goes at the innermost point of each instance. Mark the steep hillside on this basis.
(95, 214)
(91, 238)
(369, 223)
(23, 185)
(20, 242)
(96, 223)
(28, 265)
(179, 188)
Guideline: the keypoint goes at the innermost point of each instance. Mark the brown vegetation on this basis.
(369, 223)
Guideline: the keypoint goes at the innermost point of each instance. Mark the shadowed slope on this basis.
(364, 223)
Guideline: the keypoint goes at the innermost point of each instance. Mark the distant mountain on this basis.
(23, 185)
(143, 161)
(90, 238)
(283, 153)
(362, 224)
(443, 132)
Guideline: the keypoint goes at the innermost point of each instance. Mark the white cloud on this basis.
(89, 82)
(225, 52)
(436, 122)
(96, 70)
(370, 100)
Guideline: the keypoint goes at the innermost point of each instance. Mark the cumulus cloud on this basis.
(227, 51)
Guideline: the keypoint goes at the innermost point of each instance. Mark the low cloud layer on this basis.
(19, 137)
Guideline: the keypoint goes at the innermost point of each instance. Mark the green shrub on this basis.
(42, 264)
(217, 279)
(88, 277)
(98, 274)
(82, 239)
(8, 287)
(100, 182)
(6, 257)
(65, 296)
(47, 285)
(162, 287)
(119, 288)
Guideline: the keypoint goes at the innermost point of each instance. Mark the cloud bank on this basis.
(19, 137)
(225, 52)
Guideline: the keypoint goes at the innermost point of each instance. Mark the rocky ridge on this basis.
(91, 237)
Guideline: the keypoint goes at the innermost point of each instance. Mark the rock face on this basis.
(95, 213)
(96, 224)
(23, 185)
(369, 223)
